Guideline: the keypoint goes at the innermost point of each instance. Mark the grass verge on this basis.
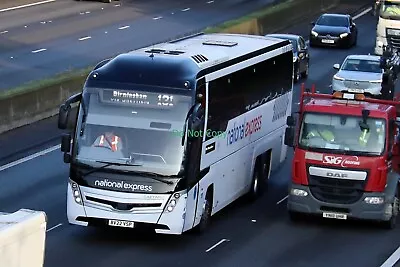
(261, 13)
(36, 85)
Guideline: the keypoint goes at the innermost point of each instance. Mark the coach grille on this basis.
(123, 206)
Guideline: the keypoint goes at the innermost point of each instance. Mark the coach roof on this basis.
(173, 63)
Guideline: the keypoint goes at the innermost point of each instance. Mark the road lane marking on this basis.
(54, 227)
(43, 152)
(280, 201)
(156, 18)
(84, 38)
(39, 50)
(30, 157)
(123, 27)
(393, 259)
(210, 2)
(186, 9)
(27, 5)
(362, 13)
(3, 32)
(216, 245)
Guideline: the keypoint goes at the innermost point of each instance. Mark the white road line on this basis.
(280, 201)
(41, 153)
(156, 18)
(186, 9)
(362, 13)
(39, 50)
(216, 245)
(210, 2)
(54, 227)
(123, 27)
(27, 5)
(33, 156)
(87, 12)
(391, 261)
(84, 38)
(3, 32)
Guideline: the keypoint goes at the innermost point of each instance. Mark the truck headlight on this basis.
(172, 202)
(343, 35)
(298, 192)
(374, 200)
(314, 33)
(76, 193)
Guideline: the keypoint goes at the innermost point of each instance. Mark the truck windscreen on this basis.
(342, 134)
(390, 10)
(138, 128)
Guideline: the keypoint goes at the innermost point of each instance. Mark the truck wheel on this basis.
(391, 223)
(206, 215)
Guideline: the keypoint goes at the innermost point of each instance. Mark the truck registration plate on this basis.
(334, 215)
(361, 91)
(119, 223)
(326, 41)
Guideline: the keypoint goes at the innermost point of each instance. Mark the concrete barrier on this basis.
(24, 108)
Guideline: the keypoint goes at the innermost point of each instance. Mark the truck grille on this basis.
(356, 84)
(393, 39)
(339, 191)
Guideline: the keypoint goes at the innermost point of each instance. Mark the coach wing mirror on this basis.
(63, 115)
(336, 66)
(290, 121)
(289, 136)
(66, 143)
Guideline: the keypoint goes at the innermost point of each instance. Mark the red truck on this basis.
(346, 157)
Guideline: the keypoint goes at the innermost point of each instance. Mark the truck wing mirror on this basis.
(290, 121)
(289, 136)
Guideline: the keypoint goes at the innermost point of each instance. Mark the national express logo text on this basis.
(240, 131)
(122, 185)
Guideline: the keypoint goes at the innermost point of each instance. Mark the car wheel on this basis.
(305, 73)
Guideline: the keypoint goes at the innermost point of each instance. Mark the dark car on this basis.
(301, 56)
(334, 30)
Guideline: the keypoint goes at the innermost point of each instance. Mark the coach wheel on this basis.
(206, 213)
(258, 183)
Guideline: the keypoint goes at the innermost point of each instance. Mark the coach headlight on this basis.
(76, 193)
(172, 202)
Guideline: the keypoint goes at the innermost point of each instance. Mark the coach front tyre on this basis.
(206, 213)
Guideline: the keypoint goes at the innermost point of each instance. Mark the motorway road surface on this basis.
(256, 235)
(39, 41)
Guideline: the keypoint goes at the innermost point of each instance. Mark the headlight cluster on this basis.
(172, 202)
(314, 33)
(76, 193)
(343, 35)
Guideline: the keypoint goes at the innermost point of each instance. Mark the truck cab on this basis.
(388, 27)
(346, 158)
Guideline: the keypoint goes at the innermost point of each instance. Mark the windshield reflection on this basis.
(342, 134)
(140, 136)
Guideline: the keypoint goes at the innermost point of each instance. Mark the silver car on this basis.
(358, 74)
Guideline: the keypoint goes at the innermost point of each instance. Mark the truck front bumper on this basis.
(301, 200)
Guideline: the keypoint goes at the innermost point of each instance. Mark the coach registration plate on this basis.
(334, 215)
(119, 223)
(326, 41)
